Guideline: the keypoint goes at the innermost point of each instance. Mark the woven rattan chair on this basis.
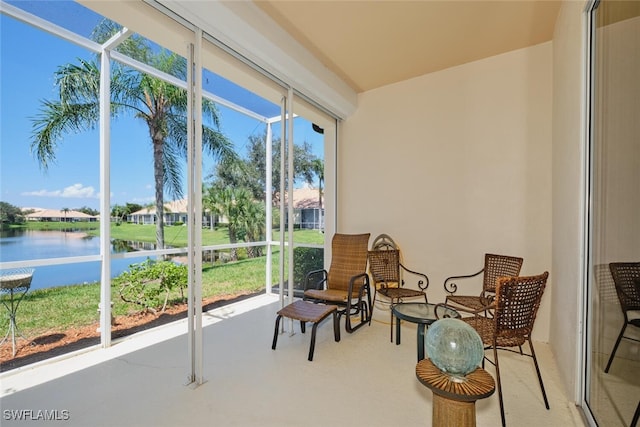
(495, 266)
(347, 282)
(387, 271)
(626, 277)
(516, 305)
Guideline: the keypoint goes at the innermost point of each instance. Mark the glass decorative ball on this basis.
(454, 347)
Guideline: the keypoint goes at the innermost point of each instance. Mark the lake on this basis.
(22, 245)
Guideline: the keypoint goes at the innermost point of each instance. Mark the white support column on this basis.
(194, 203)
(283, 138)
(269, 204)
(105, 191)
(290, 117)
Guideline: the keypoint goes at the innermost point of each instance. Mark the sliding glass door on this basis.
(612, 388)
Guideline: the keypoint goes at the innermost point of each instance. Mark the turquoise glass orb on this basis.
(454, 347)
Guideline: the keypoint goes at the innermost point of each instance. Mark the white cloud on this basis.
(74, 191)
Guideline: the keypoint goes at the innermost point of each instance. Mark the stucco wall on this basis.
(455, 164)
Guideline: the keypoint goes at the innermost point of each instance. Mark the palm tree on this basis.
(65, 211)
(159, 104)
(317, 166)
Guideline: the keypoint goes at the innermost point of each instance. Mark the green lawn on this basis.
(56, 309)
(175, 236)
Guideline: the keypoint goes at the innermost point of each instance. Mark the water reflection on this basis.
(21, 245)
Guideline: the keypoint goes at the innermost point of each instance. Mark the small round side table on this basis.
(454, 403)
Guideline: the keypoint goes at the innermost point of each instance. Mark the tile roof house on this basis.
(174, 211)
(54, 215)
(308, 208)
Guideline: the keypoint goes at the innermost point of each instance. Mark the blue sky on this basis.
(29, 58)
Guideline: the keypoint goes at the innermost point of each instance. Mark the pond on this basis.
(21, 245)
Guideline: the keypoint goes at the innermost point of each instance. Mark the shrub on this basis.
(304, 261)
(146, 283)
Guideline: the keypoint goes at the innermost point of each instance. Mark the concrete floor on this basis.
(364, 380)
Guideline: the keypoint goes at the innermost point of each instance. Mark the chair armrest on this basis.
(362, 287)
(423, 281)
(315, 279)
(437, 306)
(451, 287)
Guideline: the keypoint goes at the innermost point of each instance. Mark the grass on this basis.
(175, 236)
(59, 308)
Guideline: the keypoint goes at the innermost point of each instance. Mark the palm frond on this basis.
(56, 119)
(78, 83)
(172, 168)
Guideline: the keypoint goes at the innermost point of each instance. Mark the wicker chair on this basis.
(516, 305)
(347, 282)
(495, 266)
(387, 270)
(626, 277)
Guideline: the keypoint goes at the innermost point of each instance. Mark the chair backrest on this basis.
(517, 302)
(496, 266)
(384, 260)
(384, 266)
(348, 259)
(626, 277)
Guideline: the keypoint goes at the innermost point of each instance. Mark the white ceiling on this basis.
(370, 43)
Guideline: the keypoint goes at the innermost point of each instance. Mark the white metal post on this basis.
(194, 203)
(105, 191)
(269, 204)
(290, 192)
(283, 138)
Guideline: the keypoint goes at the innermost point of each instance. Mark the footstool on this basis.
(305, 311)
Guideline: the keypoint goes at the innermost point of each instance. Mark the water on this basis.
(21, 245)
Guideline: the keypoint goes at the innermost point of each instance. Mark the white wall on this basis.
(455, 164)
(568, 171)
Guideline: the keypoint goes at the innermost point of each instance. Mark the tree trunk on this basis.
(233, 239)
(158, 171)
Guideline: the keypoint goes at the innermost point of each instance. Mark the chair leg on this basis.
(363, 307)
(275, 334)
(391, 314)
(636, 416)
(535, 362)
(336, 326)
(373, 305)
(499, 384)
(312, 346)
(615, 348)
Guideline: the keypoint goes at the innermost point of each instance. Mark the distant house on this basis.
(53, 215)
(307, 212)
(174, 212)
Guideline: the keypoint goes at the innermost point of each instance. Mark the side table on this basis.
(15, 284)
(454, 402)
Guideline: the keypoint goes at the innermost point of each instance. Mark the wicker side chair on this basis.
(346, 283)
(387, 274)
(516, 306)
(626, 278)
(495, 266)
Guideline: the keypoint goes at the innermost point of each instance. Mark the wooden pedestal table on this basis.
(454, 401)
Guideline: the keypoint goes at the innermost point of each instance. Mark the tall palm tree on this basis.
(317, 166)
(161, 105)
(65, 211)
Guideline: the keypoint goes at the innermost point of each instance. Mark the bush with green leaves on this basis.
(304, 261)
(150, 283)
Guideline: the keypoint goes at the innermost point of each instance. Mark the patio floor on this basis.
(364, 380)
